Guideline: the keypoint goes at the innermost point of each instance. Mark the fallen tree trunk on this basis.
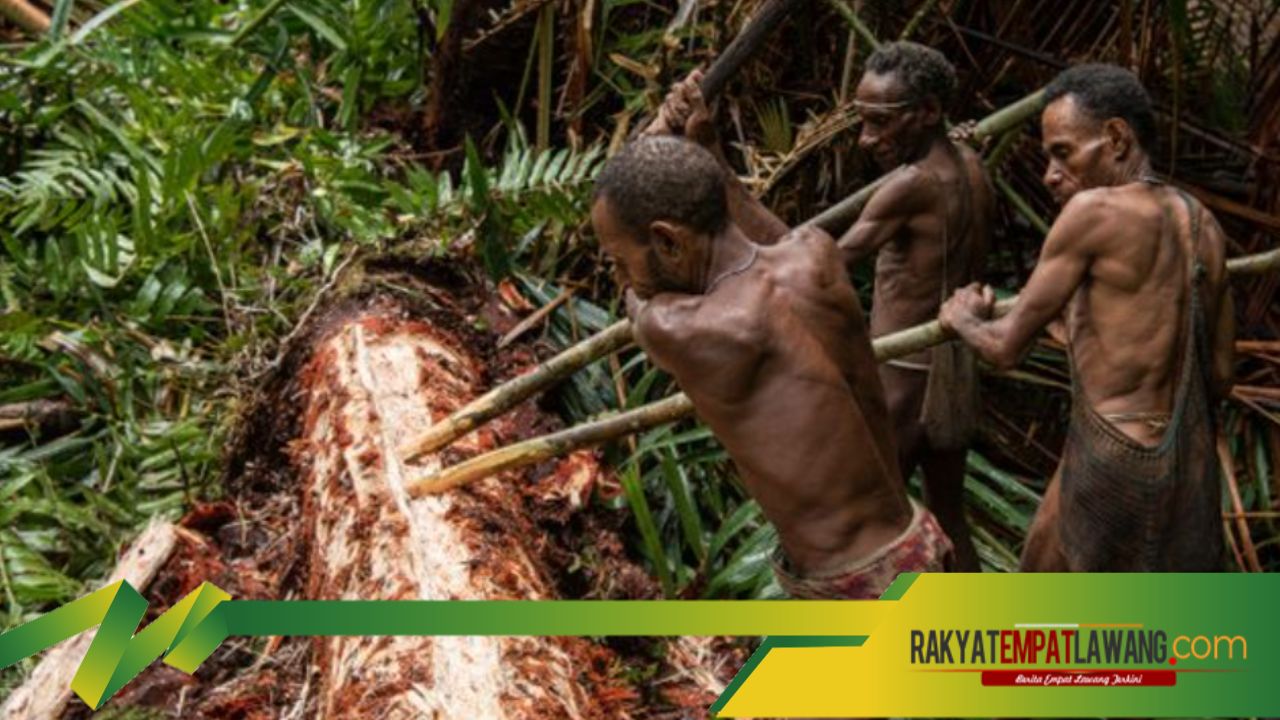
(371, 382)
(375, 380)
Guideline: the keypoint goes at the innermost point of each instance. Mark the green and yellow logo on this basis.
(186, 635)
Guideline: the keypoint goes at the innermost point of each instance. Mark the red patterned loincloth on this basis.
(922, 547)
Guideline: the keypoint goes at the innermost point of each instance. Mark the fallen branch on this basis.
(1248, 552)
(37, 414)
(536, 317)
(535, 450)
(835, 220)
(46, 692)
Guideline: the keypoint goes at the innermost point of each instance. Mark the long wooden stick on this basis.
(535, 450)
(745, 46)
(515, 391)
(835, 220)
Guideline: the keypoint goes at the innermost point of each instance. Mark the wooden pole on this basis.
(26, 16)
(745, 46)
(535, 450)
(515, 391)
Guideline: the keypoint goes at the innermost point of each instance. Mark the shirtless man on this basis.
(927, 228)
(770, 345)
(1137, 270)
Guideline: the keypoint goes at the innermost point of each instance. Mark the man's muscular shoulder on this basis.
(910, 189)
(1089, 221)
(810, 250)
(694, 332)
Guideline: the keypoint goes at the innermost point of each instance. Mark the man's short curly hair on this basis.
(922, 70)
(1108, 91)
(664, 177)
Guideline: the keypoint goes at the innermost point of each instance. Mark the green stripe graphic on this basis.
(188, 633)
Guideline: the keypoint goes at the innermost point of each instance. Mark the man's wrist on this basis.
(961, 322)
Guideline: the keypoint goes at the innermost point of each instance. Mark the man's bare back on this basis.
(1126, 323)
(778, 363)
(1116, 267)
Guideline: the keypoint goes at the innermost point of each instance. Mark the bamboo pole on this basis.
(835, 220)
(515, 391)
(535, 450)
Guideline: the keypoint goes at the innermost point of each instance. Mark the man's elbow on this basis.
(1003, 356)
(853, 251)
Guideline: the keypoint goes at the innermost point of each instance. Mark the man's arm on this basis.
(684, 112)
(1224, 321)
(1224, 345)
(906, 193)
(1064, 261)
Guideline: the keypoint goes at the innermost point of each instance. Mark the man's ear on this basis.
(669, 239)
(1119, 137)
(930, 111)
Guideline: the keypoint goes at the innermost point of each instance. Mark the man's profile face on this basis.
(1076, 147)
(636, 263)
(891, 125)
